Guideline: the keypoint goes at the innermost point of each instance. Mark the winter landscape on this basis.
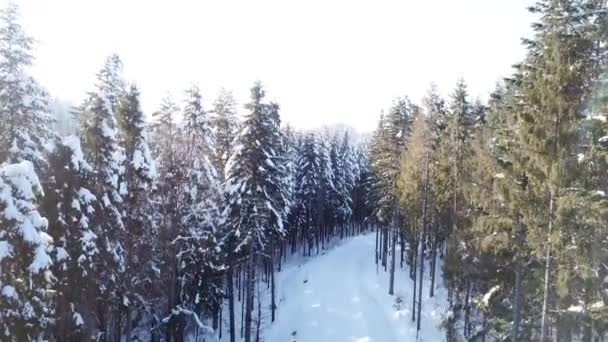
(459, 216)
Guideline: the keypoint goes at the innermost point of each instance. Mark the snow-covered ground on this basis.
(338, 296)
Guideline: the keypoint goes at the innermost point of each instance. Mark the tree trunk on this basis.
(422, 243)
(391, 286)
(413, 277)
(229, 282)
(433, 266)
(421, 275)
(517, 293)
(250, 285)
(128, 324)
(385, 249)
(259, 320)
(543, 319)
(467, 309)
(377, 237)
(402, 245)
(412, 254)
(273, 304)
(243, 300)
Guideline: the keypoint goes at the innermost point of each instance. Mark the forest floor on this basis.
(339, 296)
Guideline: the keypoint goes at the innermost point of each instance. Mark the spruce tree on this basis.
(100, 143)
(225, 127)
(140, 174)
(24, 255)
(554, 85)
(307, 189)
(196, 125)
(254, 195)
(72, 210)
(25, 123)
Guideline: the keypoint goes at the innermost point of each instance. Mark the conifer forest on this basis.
(454, 219)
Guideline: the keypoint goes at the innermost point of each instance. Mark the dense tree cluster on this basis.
(511, 193)
(134, 230)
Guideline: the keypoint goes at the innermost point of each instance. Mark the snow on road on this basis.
(339, 297)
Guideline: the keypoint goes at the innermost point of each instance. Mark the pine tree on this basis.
(307, 190)
(414, 195)
(253, 180)
(554, 84)
(453, 151)
(101, 145)
(326, 188)
(395, 130)
(225, 127)
(167, 144)
(72, 210)
(200, 268)
(24, 255)
(196, 125)
(164, 130)
(25, 122)
(140, 175)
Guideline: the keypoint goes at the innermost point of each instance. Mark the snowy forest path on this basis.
(337, 296)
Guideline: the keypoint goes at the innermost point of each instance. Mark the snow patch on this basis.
(9, 292)
(486, 297)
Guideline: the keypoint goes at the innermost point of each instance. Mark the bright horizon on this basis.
(325, 63)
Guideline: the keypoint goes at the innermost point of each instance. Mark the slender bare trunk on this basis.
(543, 319)
(250, 285)
(128, 324)
(413, 276)
(391, 286)
(517, 293)
(467, 308)
(273, 304)
(229, 282)
(433, 266)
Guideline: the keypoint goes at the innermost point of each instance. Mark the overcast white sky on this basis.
(324, 61)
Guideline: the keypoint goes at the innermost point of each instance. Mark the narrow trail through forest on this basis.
(338, 296)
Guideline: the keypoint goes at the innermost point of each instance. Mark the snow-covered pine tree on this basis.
(196, 126)
(141, 233)
(200, 268)
(307, 189)
(362, 191)
(199, 256)
(165, 135)
(25, 121)
(351, 171)
(290, 160)
(340, 196)
(25, 275)
(326, 210)
(111, 81)
(172, 171)
(224, 124)
(72, 210)
(107, 158)
(253, 184)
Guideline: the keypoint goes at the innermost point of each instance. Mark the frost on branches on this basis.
(24, 254)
